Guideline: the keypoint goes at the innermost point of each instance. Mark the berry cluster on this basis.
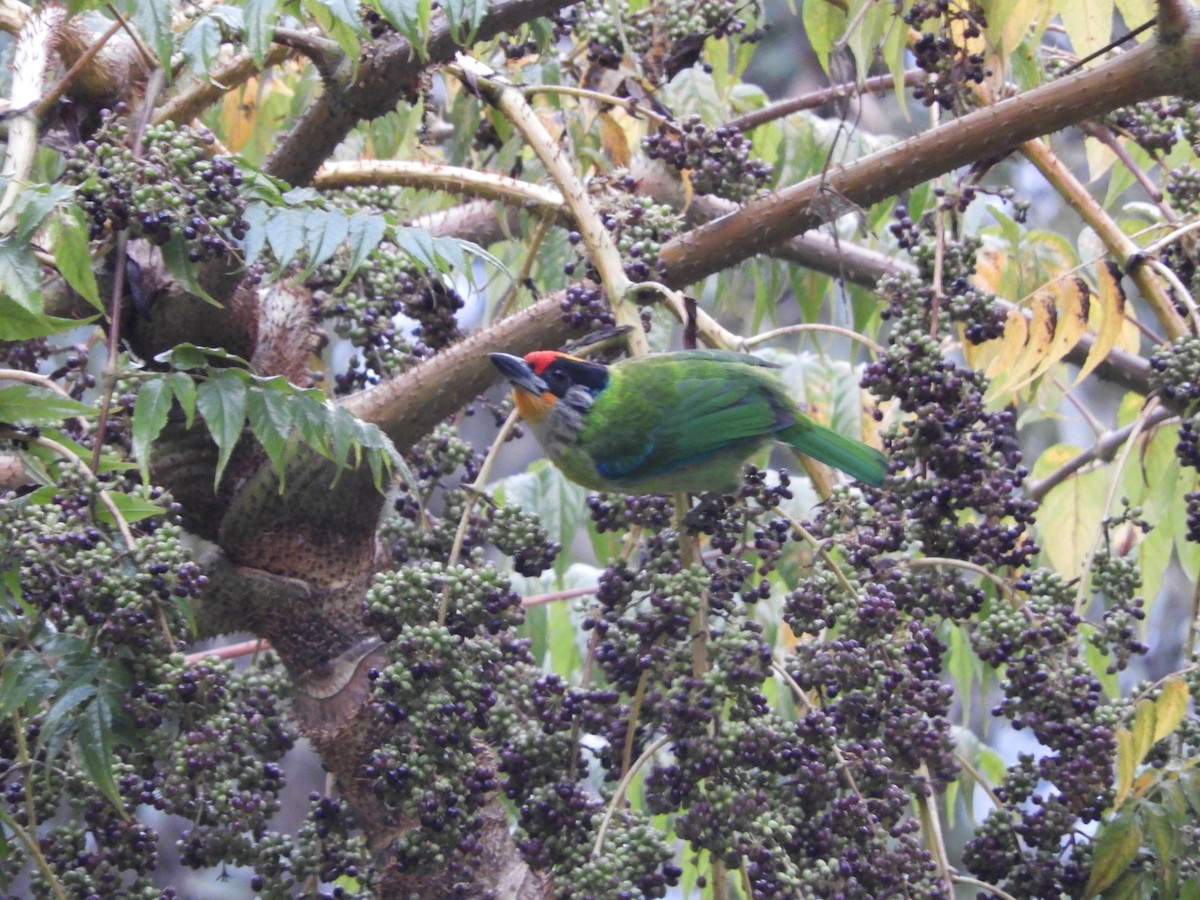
(717, 160)
(943, 53)
(173, 188)
(1173, 375)
(1158, 123)
(962, 501)
(639, 228)
(442, 463)
(364, 311)
(666, 36)
(97, 629)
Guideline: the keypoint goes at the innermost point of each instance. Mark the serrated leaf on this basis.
(340, 429)
(324, 231)
(150, 412)
(285, 231)
(1116, 847)
(184, 389)
(191, 356)
(363, 235)
(258, 19)
(269, 413)
(31, 404)
(95, 749)
(418, 245)
(411, 19)
(57, 727)
(71, 256)
(1126, 765)
(200, 44)
(26, 681)
(222, 402)
(20, 275)
(1170, 707)
(310, 416)
(1142, 729)
(464, 12)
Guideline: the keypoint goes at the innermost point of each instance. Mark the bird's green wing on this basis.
(652, 424)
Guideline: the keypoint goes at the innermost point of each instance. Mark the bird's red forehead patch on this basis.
(540, 360)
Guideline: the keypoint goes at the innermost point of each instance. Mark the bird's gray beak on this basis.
(518, 373)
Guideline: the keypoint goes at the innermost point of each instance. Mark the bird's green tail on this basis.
(853, 457)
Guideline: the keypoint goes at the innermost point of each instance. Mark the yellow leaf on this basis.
(1171, 707)
(1072, 299)
(1100, 158)
(1071, 511)
(1116, 846)
(1143, 730)
(1126, 765)
(1107, 316)
(1041, 338)
(1088, 24)
(613, 140)
(998, 354)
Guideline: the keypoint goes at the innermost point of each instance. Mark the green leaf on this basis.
(418, 245)
(411, 19)
(95, 749)
(26, 681)
(310, 417)
(200, 44)
(285, 231)
(132, 508)
(189, 356)
(259, 21)
(184, 389)
(153, 20)
(29, 404)
(341, 426)
(20, 275)
(1116, 847)
(465, 12)
(71, 256)
(175, 258)
(150, 411)
(339, 19)
(269, 413)
(58, 726)
(222, 402)
(324, 231)
(19, 323)
(363, 235)
(34, 204)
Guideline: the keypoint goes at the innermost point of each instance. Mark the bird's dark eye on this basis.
(557, 381)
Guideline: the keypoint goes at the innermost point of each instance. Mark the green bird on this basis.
(668, 422)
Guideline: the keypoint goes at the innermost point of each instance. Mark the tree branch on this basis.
(1149, 70)
(383, 80)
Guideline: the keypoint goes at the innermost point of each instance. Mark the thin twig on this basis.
(622, 787)
(473, 494)
(847, 333)
(61, 86)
